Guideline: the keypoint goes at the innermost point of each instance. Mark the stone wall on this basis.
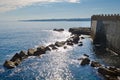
(105, 30)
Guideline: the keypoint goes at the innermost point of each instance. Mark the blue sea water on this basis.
(61, 64)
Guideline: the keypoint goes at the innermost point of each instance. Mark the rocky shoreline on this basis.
(108, 72)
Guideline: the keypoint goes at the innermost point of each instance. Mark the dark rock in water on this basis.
(69, 40)
(31, 52)
(80, 44)
(82, 37)
(40, 50)
(23, 54)
(47, 48)
(107, 71)
(53, 46)
(17, 62)
(85, 61)
(65, 47)
(59, 44)
(15, 57)
(80, 30)
(59, 30)
(75, 39)
(86, 55)
(82, 58)
(9, 64)
(95, 64)
(70, 43)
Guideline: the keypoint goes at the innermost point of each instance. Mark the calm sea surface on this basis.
(61, 64)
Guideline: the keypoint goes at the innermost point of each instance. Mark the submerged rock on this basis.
(80, 44)
(86, 55)
(9, 64)
(82, 37)
(85, 61)
(65, 47)
(59, 30)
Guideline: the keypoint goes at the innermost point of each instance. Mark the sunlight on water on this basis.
(60, 64)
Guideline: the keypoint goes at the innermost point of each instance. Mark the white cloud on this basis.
(7, 5)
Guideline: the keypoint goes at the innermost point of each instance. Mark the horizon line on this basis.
(61, 19)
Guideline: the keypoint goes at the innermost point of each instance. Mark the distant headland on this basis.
(45, 20)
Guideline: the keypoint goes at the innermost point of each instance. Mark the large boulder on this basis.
(95, 64)
(85, 61)
(23, 54)
(9, 64)
(15, 57)
(17, 62)
(48, 48)
(59, 30)
(40, 50)
(31, 52)
(75, 39)
(60, 44)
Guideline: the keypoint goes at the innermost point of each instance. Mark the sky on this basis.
(47, 9)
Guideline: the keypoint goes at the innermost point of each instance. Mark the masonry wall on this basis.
(106, 31)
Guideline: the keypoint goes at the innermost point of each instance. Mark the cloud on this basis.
(8, 5)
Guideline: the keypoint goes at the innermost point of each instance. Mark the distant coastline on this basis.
(46, 20)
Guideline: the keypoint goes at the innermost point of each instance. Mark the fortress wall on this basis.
(106, 31)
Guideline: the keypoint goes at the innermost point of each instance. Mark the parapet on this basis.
(106, 17)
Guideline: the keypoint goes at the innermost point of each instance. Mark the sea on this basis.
(61, 64)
